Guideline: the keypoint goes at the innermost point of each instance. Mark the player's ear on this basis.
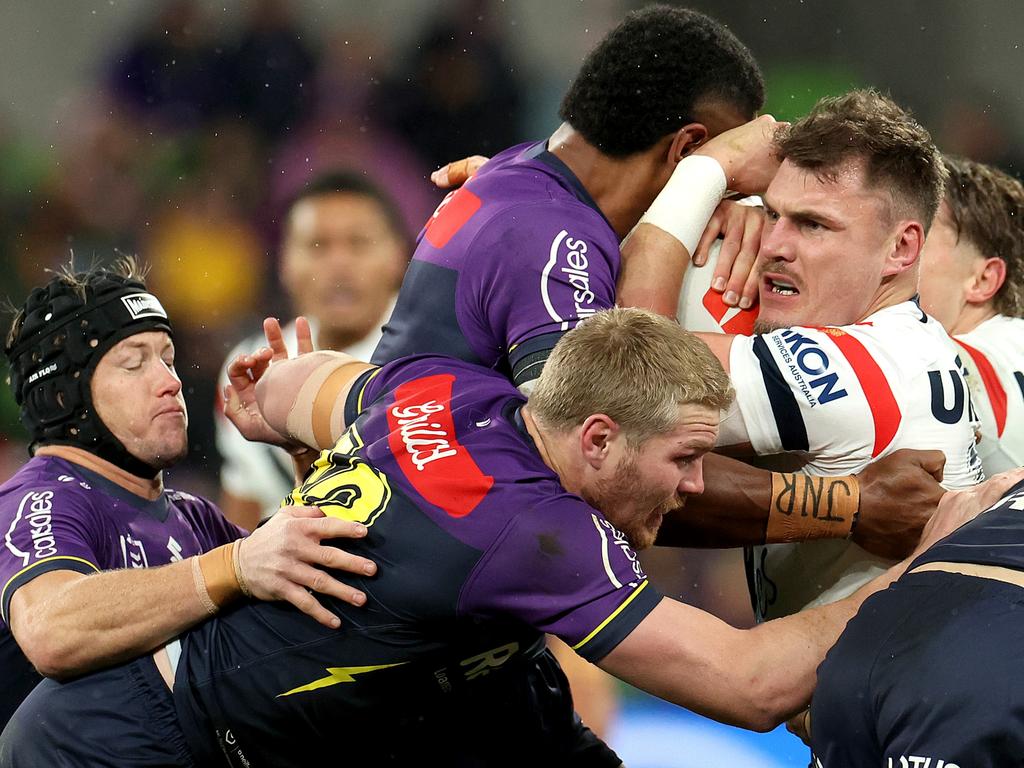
(906, 248)
(686, 140)
(988, 278)
(596, 437)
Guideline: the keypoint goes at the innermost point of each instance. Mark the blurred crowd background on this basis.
(178, 129)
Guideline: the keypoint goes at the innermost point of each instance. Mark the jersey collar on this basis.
(541, 154)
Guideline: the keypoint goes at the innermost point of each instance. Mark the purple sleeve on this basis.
(48, 527)
(565, 570)
(539, 269)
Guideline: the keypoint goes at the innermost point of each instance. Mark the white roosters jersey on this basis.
(838, 398)
(702, 309)
(995, 365)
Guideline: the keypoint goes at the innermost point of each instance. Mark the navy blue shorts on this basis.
(929, 673)
(122, 717)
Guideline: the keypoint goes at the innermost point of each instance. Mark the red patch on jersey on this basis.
(422, 439)
(994, 389)
(885, 412)
(740, 324)
(454, 211)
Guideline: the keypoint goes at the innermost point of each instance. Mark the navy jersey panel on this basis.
(995, 537)
(424, 318)
(19, 677)
(927, 673)
(122, 716)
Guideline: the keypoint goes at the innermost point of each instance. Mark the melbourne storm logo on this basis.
(345, 487)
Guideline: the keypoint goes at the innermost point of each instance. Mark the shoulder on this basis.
(44, 480)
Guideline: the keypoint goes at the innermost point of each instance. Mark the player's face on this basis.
(947, 268)
(342, 262)
(655, 477)
(823, 248)
(137, 395)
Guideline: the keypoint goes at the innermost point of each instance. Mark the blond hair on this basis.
(632, 365)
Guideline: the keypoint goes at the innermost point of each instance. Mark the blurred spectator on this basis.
(458, 93)
(343, 254)
(272, 67)
(174, 71)
(377, 154)
(978, 125)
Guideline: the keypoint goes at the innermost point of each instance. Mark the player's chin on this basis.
(643, 535)
(166, 452)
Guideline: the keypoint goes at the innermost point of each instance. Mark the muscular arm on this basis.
(759, 677)
(653, 265)
(753, 678)
(68, 623)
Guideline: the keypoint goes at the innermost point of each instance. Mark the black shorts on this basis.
(928, 673)
(122, 717)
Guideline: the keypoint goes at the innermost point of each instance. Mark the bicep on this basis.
(653, 265)
(720, 345)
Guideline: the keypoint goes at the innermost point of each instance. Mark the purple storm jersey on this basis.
(57, 515)
(505, 266)
(480, 552)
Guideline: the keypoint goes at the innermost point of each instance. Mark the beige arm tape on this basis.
(317, 417)
(805, 507)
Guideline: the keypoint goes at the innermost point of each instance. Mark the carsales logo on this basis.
(422, 440)
(568, 266)
(37, 509)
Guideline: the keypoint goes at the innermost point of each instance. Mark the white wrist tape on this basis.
(684, 207)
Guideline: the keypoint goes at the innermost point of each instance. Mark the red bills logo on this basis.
(454, 211)
(730, 319)
(422, 439)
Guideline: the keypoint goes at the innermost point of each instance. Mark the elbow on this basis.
(765, 703)
(48, 656)
(44, 650)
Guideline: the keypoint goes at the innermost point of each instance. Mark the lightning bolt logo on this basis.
(336, 675)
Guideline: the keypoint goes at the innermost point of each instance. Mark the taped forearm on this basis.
(304, 398)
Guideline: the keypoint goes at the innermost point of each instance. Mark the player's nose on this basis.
(691, 481)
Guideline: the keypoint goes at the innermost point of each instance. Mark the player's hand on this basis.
(240, 406)
(959, 507)
(457, 173)
(740, 228)
(898, 495)
(282, 560)
(800, 726)
(746, 154)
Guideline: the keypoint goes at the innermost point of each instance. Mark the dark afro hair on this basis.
(644, 80)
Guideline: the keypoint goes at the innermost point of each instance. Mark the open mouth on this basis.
(781, 287)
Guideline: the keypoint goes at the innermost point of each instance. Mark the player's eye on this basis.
(771, 214)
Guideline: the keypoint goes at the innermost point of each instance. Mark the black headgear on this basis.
(56, 350)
